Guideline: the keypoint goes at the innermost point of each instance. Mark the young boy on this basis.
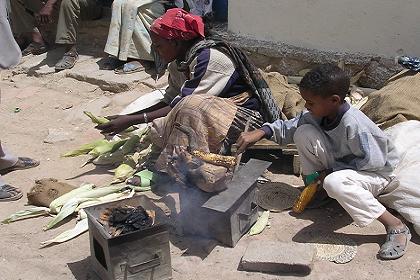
(352, 155)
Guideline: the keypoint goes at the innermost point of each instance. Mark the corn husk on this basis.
(261, 223)
(71, 205)
(130, 145)
(107, 198)
(107, 147)
(84, 149)
(96, 119)
(26, 214)
(146, 177)
(57, 203)
(67, 210)
(109, 158)
(81, 227)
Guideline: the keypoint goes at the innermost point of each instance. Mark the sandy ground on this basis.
(56, 102)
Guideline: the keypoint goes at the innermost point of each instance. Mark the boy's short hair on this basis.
(326, 80)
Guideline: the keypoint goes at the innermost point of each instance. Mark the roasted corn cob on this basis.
(305, 197)
(226, 161)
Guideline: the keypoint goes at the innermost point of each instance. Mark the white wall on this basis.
(383, 27)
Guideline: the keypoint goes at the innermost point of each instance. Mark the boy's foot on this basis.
(22, 163)
(396, 243)
(68, 61)
(9, 193)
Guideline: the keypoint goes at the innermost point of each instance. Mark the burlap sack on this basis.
(397, 101)
(287, 96)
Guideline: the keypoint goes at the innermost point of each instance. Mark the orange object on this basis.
(305, 197)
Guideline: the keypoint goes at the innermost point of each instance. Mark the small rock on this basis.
(57, 135)
(278, 257)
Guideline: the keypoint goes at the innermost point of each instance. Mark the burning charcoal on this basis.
(127, 219)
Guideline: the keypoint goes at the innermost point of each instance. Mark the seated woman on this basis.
(213, 89)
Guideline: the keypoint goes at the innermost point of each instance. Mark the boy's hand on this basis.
(249, 138)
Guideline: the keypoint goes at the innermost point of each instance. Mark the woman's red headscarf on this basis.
(177, 24)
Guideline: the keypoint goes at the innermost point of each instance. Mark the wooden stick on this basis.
(239, 156)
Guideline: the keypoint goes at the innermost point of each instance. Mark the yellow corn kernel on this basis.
(305, 197)
(226, 161)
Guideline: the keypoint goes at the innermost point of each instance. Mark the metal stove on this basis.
(225, 216)
(142, 254)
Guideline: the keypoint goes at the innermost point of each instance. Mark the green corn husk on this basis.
(28, 213)
(146, 177)
(57, 203)
(96, 119)
(106, 198)
(109, 158)
(67, 210)
(81, 227)
(122, 173)
(107, 147)
(130, 145)
(71, 205)
(84, 149)
(261, 223)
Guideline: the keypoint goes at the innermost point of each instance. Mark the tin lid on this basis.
(241, 182)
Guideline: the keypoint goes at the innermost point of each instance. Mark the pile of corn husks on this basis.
(129, 150)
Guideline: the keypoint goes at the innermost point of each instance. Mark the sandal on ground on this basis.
(391, 250)
(22, 163)
(35, 49)
(9, 193)
(129, 68)
(111, 63)
(68, 61)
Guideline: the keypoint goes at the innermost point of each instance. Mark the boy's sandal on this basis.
(22, 163)
(129, 68)
(67, 61)
(392, 250)
(35, 49)
(9, 193)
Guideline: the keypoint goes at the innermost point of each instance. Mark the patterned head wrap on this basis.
(177, 24)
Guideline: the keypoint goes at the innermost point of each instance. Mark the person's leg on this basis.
(7, 159)
(313, 148)
(7, 192)
(23, 25)
(70, 15)
(356, 192)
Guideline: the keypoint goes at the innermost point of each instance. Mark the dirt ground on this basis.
(56, 102)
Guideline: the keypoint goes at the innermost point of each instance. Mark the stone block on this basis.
(91, 72)
(278, 257)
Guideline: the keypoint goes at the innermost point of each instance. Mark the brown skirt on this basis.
(215, 122)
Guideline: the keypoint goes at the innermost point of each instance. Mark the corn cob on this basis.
(84, 149)
(123, 172)
(305, 197)
(96, 119)
(107, 147)
(56, 204)
(25, 214)
(226, 161)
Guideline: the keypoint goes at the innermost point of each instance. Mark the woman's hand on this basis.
(116, 124)
(249, 138)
